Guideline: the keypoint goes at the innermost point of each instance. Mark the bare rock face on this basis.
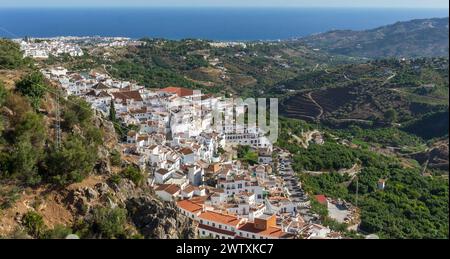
(159, 220)
(153, 218)
(102, 167)
(110, 133)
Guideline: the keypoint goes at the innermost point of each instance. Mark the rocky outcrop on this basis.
(159, 220)
(110, 135)
(152, 217)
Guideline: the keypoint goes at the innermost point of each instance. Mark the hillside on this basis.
(378, 92)
(246, 69)
(79, 185)
(414, 203)
(416, 38)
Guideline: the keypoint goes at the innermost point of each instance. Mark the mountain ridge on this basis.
(414, 38)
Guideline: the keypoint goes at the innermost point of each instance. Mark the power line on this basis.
(58, 123)
(80, 106)
(357, 191)
(10, 33)
(58, 110)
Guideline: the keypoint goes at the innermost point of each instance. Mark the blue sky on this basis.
(236, 3)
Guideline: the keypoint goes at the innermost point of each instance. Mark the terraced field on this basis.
(302, 107)
(333, 99)
(315, 105)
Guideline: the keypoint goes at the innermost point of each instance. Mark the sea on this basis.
(224, 24)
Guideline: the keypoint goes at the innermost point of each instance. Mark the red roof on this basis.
(135, 95)
(217, 230)
(186, 151)
(169, 188)
(271, 232)
(190, 206)
(220, 218)
(322, 199)
(180, 91)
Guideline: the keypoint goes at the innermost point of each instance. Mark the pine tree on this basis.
(112, 112)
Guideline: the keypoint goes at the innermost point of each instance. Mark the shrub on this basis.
(115, 158)
(115, 179)
(134, 174)
(59, 232)
(108, 223)
(33, 223)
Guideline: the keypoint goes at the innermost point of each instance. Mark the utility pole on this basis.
(357, 190)
(58, 123)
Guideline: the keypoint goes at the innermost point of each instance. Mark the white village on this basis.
(192, 163)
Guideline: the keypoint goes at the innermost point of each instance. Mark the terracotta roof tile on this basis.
(181, 92)
(220, 218)
(271, 232)
(190, 206)
(126, 95)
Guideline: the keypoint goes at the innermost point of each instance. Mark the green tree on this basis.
(10, 55)
(247, 155)
(72, 163)
(76, 112)
(24, 162)
(33, 87)
(31, 127)
(112, 112)
(93, 135)
(390, 116)
(3, 93)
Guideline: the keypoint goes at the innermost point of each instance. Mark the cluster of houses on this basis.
(227, 44)
(44, 48)
(190, 160)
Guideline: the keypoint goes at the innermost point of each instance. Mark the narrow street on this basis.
(293, 187)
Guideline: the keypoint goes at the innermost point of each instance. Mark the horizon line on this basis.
(226, 6)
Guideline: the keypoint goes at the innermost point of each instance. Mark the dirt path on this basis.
(314, 69)
(389, 79)
(318, 117)
(346, 77)
(352, 172)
